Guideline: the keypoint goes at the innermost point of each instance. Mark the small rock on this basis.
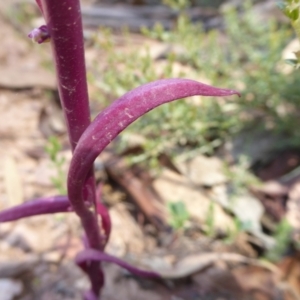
(10, 288)
(15, 268)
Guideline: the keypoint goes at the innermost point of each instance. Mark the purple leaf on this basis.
(94, 255)
(124, 111)
(40, 206)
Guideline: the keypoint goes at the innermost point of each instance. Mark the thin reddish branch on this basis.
(90, 254)
(40, 206)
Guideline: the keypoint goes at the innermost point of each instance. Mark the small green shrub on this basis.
(246, 56)
(178, 214)
(282, 237)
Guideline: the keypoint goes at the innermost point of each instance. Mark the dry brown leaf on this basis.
(126, 235)
(290, 280)
(195, 263)
(258, 282)
(218, 283)
(12, 180)
(173, 187)
(22, 78)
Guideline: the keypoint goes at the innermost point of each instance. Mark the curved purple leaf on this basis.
(40, 206)
(94, 255)
(106, 126)
(124, 111)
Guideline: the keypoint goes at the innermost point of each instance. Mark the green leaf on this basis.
(294, 14)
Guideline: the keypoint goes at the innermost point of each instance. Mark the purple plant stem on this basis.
(63, 20)
(115, 118)
(103, 212)
(90, 254)
(64, 23)
(40, 206)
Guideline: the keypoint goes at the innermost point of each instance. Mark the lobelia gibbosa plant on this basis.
(88, 139)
